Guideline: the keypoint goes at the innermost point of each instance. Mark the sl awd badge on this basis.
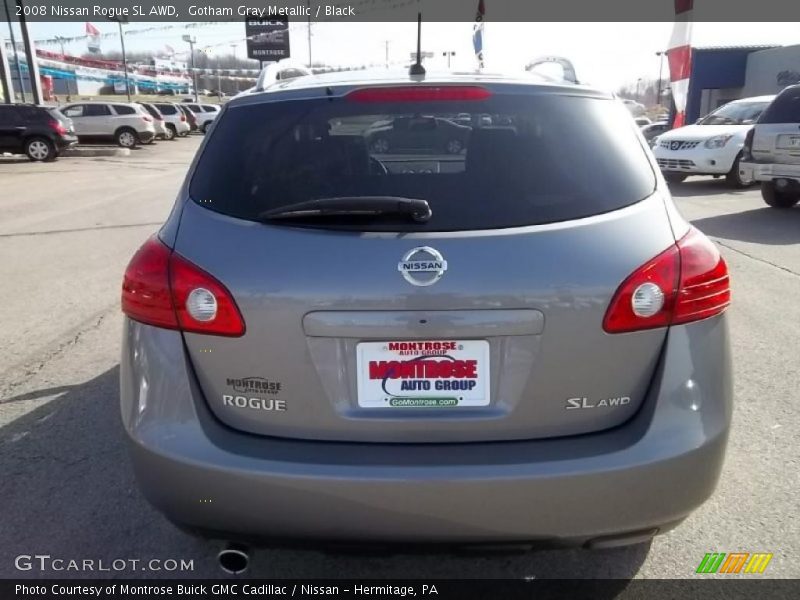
(422, 266)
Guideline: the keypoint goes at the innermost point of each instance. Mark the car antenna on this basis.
(417, 68)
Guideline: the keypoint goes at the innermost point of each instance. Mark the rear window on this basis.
(784, 109)
(166, 109)
(506, 161)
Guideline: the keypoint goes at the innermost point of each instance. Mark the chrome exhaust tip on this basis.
(234, 559)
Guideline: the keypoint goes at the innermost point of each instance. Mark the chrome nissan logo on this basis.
(675, 145)
(422, 266)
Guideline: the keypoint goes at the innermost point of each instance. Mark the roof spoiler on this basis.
(566, 65)
(279, 71)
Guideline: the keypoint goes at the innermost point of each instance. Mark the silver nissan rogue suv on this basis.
(455, 309)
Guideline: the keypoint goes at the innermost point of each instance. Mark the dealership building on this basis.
(722, 74)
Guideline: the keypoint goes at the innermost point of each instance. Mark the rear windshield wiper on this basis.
(418, 210)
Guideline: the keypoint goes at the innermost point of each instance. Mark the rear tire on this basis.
(40, 149)
(204, 128)
(734, 179)
(170, 134)
(675, 177)
(777, 199)
(126, 138)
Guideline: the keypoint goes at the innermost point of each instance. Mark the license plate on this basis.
(423, 374)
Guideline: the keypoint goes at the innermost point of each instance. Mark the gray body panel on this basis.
(566, 272)
(523, 468)
(652, 471)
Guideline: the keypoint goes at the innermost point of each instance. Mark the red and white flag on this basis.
(92, 38)
(679, 56)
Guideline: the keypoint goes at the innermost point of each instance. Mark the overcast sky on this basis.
(604, 54)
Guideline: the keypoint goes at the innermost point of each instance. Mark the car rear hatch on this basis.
(482, 322)
(776, 138)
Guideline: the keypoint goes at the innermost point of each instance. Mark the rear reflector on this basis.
(163, 289)
(414, 93)
(693, 282)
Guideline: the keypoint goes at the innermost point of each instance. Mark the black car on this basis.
(38, 131)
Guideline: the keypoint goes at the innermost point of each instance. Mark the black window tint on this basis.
(195, 108)
(784, 109)
(209, 109)
(96, 110)
(121, 109)
(526, 159)
(9, 115)
(166, 109)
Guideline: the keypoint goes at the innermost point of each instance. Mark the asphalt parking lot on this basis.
(67, 231)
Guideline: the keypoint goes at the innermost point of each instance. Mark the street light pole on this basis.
(449, 54)
(235, 83)
(638, 95)
(660, 56)
(192, 41)
(16, 53)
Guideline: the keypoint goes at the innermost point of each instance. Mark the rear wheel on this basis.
(675, 177)
(204, 128)
(126, 138)
(170, 134)
(40, 149)
(776, 198)
(733, 177)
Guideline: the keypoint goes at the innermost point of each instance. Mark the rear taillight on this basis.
(687, 282)
(183, 117)
(163, 289)
(747, 149)
(147, 119)
(410, 93)
(58, 127)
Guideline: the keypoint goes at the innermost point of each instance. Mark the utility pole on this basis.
(660, 56)
(192, 41)
(234, 83)
(60, 40)
(16, 55)
(638, 95)
(30, 57)
(386, 43)
(449, 54)
(308, 5)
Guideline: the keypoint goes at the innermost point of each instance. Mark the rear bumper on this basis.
(767, 172)
(642, 476)
(146, 136)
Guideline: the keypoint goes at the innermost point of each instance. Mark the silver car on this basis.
(127, 124)
(521, 343)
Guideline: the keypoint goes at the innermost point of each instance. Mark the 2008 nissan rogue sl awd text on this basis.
(349, 330)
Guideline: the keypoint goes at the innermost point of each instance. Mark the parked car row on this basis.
(748, 141)
(42, 132)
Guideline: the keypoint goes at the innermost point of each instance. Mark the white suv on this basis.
(205, 114)
(174, 120)
(712, 146)
(772, 150)
(127, 124)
